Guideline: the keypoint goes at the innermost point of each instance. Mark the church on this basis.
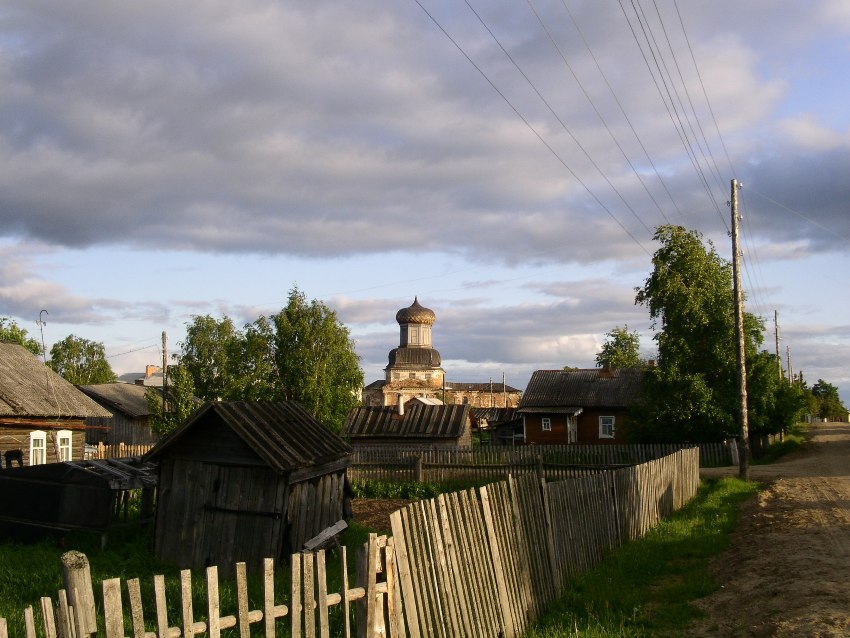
(414, 371)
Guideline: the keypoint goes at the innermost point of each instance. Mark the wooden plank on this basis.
(134, 592)
(186, 603)
(296, 610)
(395, 617)
(402, 560)
(29, 622)
(113, 611)
(161, 607)
(242, 612)
(64, 622)
(309, 597)
(345, 595)
(213, 602)
(4, 628)
(322, 583)
(48, 617)
(453, 562)
(504, 602)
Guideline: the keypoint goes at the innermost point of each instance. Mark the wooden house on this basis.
(579, 406)
(246, 480)
(130, 422)
(498, 426)
(419, 425)
(42, 416)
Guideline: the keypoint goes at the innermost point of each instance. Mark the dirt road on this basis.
(788, 570)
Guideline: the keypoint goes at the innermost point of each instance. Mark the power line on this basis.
(530, 127)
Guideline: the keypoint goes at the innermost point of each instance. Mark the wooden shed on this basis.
(42, 416)
(246, 480)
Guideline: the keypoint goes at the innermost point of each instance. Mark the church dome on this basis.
(416, 313)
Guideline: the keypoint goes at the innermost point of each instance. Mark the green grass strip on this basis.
(645, 587)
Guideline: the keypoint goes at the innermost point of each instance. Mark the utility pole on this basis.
(776, 330)
(164, 372)
(790, 372)
(740, 352)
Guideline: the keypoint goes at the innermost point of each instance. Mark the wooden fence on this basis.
(116, 451)
(480, 562)
(552, 462)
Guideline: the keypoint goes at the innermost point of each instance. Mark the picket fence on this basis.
(480, 562)
(116, 451)
(552, 462)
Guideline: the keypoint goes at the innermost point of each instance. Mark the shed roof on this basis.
(28, 388)
(418, 421)
(282, 433)
(595, 387)
(126, 398)
(495, 388)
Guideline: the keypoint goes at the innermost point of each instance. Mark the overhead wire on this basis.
(620, 106)
(670, 106)
(530, 127)
(558, 118)
(595, 108)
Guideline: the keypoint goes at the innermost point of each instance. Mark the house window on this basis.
(38, 448)
(411, 375)
(64, 444)
(606, 427)
(547, 424)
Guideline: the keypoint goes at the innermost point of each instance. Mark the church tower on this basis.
(415, 359)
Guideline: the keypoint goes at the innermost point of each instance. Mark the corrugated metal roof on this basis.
(418, 421)
(495, 388)
(127, 398)
(28, 388)
(595, 387)
(282, 433)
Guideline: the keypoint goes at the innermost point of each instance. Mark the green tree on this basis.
(81, 361)
(692, 395)
(180, 401)
(11, 332)
(303, 353)
(316, 361)
(827, 403)
(211, 354)
(620, 350)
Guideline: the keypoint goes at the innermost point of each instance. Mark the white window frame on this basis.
(38, 447)
(607, 427)
(546, 424)
(65, 451)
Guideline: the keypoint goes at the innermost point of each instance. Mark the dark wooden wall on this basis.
(120, 429)
(214, 514)
(313, 505)
(18, 438)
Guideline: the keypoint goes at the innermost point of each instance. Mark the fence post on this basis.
(417, 468)
(77, 577)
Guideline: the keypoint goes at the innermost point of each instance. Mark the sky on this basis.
(505, 162)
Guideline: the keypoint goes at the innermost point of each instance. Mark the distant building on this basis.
(414, 369)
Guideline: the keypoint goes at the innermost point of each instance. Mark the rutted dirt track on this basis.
(788, 570)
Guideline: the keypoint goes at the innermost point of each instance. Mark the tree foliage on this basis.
(620, 350)
(179, 401)
(692, 395)
(81, 361)
(11, 332)
(302, 353)
(826, 402)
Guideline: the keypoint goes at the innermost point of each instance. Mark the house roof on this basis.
(28, 388)
(418, 421)
(126, 398)
(575, 389)
(282, 433)
(494, 416)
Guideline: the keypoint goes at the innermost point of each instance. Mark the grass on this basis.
(645, 587)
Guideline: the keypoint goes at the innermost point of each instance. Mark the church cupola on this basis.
(415, 323)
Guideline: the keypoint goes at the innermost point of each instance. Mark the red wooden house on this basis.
(579, 406)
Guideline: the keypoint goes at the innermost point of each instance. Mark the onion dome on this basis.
(416, 313)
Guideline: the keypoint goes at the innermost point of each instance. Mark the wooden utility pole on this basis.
(740, 352)
(164, 372)
(778, 353)
(790, 373)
